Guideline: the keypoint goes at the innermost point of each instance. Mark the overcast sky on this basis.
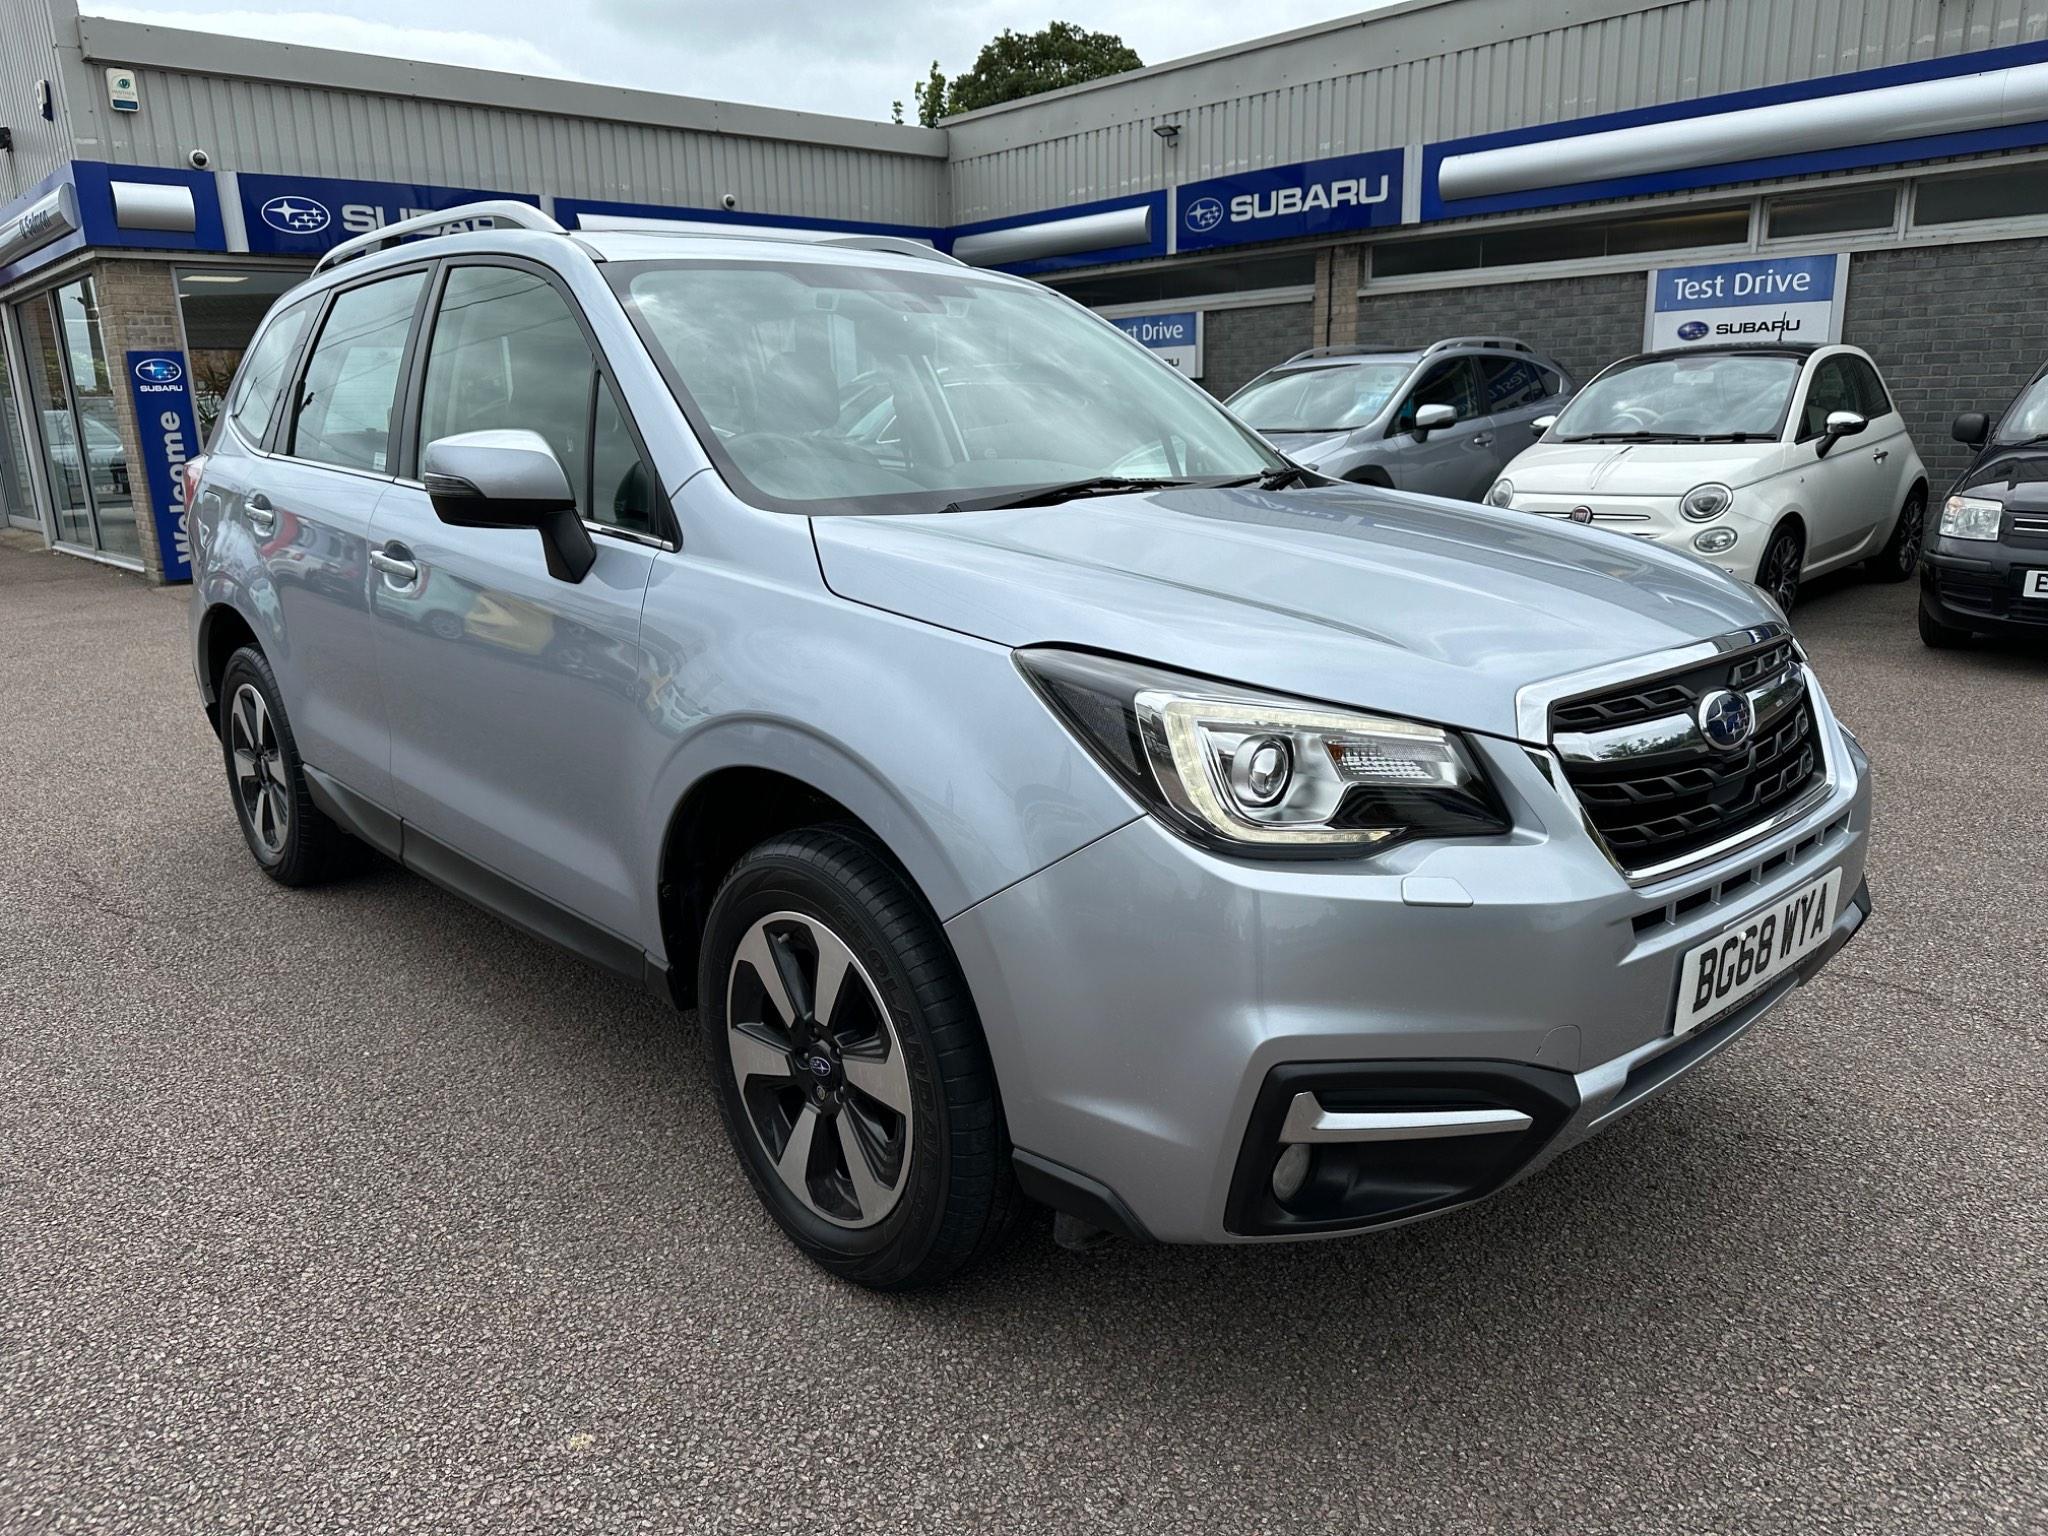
(851, 57)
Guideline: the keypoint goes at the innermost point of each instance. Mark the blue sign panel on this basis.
(1783, 298)
(170, 436)
(1176, 337)
(305, 215)
(1288, 202)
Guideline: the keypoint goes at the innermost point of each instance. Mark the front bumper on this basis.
(1139, 995)
(1977, 585)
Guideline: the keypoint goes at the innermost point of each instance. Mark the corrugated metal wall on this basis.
(28, 53)
(257, 125)
(1648, 55)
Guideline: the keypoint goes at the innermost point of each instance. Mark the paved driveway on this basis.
(353, 1211)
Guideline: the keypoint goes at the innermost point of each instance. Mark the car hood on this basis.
(1308, 448)
(1436, 610)
(1635, 469)
(2016, 476)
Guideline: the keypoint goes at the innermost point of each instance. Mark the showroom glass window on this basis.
(221, 311)
(72, 392)
(17, 488)
(350, 394)
(508, 353)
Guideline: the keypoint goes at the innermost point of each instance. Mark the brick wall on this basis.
(1583, 322)
(138, 309)
(1953, 328)
(1240, 344)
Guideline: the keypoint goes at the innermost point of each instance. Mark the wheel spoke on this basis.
(274, 766)
(245, 765)
(834, 961)
(790, 971)
(794, 1165)
(263, 735)
(754, 1055)
(754, 953)
(881, 1078)
(870, 1194)
(245, 720)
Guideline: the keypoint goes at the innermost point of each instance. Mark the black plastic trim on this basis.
(1079, 1196)
(365, 818)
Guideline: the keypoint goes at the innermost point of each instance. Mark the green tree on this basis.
(1017, 64)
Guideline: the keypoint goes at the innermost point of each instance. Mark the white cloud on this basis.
(331, 29)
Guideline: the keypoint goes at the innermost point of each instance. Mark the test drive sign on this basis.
(170, 436)
(1781, 298)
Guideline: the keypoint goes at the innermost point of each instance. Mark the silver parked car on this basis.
(1207, 855)
(1443, 419)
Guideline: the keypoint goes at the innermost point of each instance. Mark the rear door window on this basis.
(1515, 382)
(349, 396)
(263, 375)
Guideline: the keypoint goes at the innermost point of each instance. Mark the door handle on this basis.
(261, 517)
(1482, 439)
(397, 564)
(1881, 455)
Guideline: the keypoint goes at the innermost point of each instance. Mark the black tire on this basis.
(290, 838)
(1900, 558)
(1938, 636)
(1777, 572)
(955, 1196)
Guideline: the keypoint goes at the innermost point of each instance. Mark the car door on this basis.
(514, 696)
(1454, 461)
(309, 505)
(1516, 390)
(1845, 486)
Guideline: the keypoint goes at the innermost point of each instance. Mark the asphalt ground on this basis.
(351, 1210)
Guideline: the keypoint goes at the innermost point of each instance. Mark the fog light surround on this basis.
(1715, 541)
(1290, 1172)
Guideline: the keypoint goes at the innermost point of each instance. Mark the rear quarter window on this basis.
(263, 375)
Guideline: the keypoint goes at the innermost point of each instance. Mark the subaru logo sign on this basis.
(1727, 720)
(1692, 330)
(1203, 214)
(296, 215)
(158, 370)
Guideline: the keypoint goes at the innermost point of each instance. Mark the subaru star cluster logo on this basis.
(296, 215)
(1692, 330)
(1203, 214)
(158, 370)
(1727, 719)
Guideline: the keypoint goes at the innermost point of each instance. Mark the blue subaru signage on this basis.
(1773, 298)
(1175, 338)
(305, 215)
(1288, 202)
(170, 435)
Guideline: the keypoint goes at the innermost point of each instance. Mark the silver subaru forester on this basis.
(1038, 787)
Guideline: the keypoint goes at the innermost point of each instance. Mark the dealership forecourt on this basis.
(1641, 175)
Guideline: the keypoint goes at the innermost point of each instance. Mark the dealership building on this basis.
(1590, 176)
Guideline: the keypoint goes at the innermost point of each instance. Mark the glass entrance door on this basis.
(71, 389)
(17, 488)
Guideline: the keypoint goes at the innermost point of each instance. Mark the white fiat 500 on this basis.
(1773, 462)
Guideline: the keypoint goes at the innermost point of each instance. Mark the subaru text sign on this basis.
(170, 435)
(1782, 298)
(305, 215)
(1175, 338)
(1287, 202)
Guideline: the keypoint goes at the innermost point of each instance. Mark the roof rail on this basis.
(1359, 351)
(500, 211)
(1502, 343)
(633, 223)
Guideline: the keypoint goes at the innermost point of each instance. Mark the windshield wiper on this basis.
(1271, 480)
(1052, 495)
(1638, 437)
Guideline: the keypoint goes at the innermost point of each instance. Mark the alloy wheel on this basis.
(1912, 523)
(823, 1085)
(1780, 575)
(259, 770)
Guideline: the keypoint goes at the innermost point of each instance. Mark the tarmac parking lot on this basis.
(353, 1210)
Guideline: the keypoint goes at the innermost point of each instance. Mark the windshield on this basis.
(1319, 399)
(2027, 421)
(828, 387)
(1704, 396)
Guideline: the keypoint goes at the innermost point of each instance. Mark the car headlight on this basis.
(1502, 494)
(1971, 517)
(1255, 773)
(1704, 503)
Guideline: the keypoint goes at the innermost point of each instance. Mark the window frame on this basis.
(667, 532)
(284, 422)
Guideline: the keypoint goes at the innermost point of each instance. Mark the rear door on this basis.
(309, 505)
(1517, 390)
(1458, 460)
(514, 697)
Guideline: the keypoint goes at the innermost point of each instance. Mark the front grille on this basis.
(2030, 527)
(1656, 796)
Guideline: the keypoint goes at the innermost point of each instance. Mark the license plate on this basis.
(2034, 584)
(1754, 951)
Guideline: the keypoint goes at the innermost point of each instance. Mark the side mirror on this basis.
(509, 479)
(1541, 425)
(1841, 424)
(1971, 429)
(1433, 418)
